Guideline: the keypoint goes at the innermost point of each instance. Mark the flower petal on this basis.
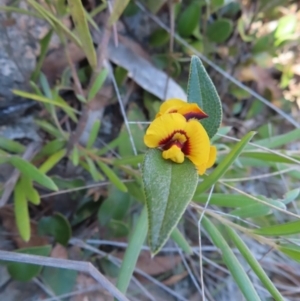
(174, 153)
(189, 110)
(212, 157)
(198, 147)
(163, 128)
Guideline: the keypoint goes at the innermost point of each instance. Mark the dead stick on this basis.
(80, 266)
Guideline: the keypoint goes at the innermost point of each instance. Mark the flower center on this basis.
(177, 138)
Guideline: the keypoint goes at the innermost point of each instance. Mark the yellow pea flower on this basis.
(179, 138)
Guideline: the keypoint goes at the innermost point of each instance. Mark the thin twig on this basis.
(200, 241)
(80, 266)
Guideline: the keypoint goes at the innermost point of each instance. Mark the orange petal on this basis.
(198, 147)
(189, 110)
(212, 157)
(162, 128)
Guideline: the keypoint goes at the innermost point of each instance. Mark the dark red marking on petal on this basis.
(168, 142)
(196, 115)
(186, 148)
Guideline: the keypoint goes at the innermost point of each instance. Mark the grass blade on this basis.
(79, 17)
(29, 170)
(283, 229)
(254, 264)
(132, 252)
(225, 164)
(234, 266)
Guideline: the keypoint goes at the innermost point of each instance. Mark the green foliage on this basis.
(202, 91)
(169, 187)
(220, 30)
(57, 226)
(189, 19)
(25, 271)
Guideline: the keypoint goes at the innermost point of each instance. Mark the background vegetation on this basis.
(80, 82)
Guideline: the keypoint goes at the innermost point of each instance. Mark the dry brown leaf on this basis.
(59, 251)
(263, 79)
(8, 222)
(145, 74)
(156, 265)
(86, 282)
(175, 278)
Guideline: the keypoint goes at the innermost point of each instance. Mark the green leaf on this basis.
(130, 160)
(279, 140)
(29, 170)
(21, 212)
(61, 281)
(189, 19)
(202, 91)
(181, 241)
(268, 157)
(132, 252)
(159, 37)
(93, 134)
(278, 230)
(11, 145)
(240, 276)
(55, 22)
(82, 28)
(26, 271)
(114, 207)
(52, 161)
(293, 251)
(92, 169)
(225, 164)
(97, 84)
(291, 196)
(112, 176)
(220, 30)
(57, 226)
(44, 43)
(285, 28)
(75, 156)
(42, 99)
(169, 187)
(223, 200)
(118, 8)
(31, 194)
(253, 210)
(255, 265)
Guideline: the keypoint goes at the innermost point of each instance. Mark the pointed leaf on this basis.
(30, 193)
(112, 176)
(169, 187)
(234, 266)
(21, 212)
(277, 230)
(255, 265)
(93, 134)
(79, 18)
(97, 84)
(133, 250)
(32, 172)
(225, 164)
(202, 91)
(11, 145)
(52, 161)
(118, 8)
